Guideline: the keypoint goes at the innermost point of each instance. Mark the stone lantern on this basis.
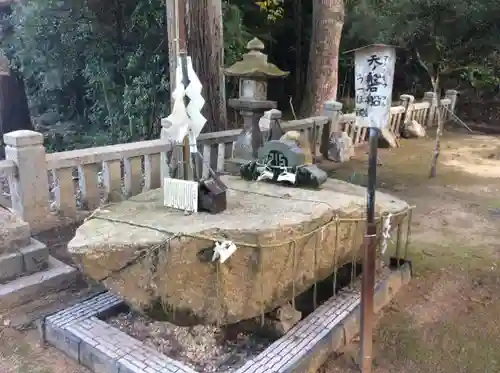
(253, 72)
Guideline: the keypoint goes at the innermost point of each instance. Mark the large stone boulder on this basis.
(159, 260)
(413, 129)
(340, 147)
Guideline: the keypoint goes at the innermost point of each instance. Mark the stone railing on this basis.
(45, 188)
(359, 135)
(216, 147)
(8, 170)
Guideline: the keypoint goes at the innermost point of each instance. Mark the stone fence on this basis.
(44, 188)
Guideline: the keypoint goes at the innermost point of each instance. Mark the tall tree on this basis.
(205, 45)
(297, 19)
(445, 38)
(14, 109)
(322, 79)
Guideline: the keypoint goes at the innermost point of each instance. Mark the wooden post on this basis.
(173, 48)
(204, 42)
(374, 115)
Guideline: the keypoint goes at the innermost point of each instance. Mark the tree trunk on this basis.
(439, 129)
(299, 81)
(171, 36)
(14, 110)
(322, 73)
(205, 45)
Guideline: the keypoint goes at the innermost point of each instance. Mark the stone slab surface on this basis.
(14, 232)
(24, 261)
(79, 333)
(57, 276)
(286, 238)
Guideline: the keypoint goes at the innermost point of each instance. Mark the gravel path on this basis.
(204, 348)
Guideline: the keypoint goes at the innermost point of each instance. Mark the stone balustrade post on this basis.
(268, 125)
(332, 110)
(164, 166)
(29, 187)
(407, 102)
(432, 98)
(452, 94)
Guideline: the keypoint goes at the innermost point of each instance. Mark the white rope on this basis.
(386, 233)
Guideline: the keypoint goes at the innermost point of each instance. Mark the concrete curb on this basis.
(78, 332)
(24, 261)
(57, 276)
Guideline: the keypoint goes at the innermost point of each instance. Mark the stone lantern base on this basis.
(250, 138)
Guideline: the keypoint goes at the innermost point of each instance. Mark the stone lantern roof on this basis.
(254, 64)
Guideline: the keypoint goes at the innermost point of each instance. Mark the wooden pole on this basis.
(189, 167)
(368, 276)
(173, 46)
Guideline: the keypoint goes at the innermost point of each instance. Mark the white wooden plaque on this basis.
(181, 194)
(374, 73)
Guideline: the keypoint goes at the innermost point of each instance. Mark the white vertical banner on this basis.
(374, 74)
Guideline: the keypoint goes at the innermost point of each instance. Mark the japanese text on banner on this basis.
(374, 73)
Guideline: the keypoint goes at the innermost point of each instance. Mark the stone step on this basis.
(57, 276)
(24, 261)
(14, 233)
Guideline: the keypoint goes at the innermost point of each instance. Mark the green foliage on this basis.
(97, 72)
(236, 34)
(448, 37)
(273, 8)
(103, 68)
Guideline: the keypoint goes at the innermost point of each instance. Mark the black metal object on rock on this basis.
(212, 195)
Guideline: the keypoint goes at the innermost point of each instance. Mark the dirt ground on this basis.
(445, 321)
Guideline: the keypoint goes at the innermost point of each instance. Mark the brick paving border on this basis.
(80, 333)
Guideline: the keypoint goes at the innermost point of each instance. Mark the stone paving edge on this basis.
(79, 333)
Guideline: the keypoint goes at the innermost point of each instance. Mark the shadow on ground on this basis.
(446, 320)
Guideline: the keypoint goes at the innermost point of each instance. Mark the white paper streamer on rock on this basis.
(288, 176)
(223, 250)
(386, 233)
(180, 194)
(265, 175)
(186, 120)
